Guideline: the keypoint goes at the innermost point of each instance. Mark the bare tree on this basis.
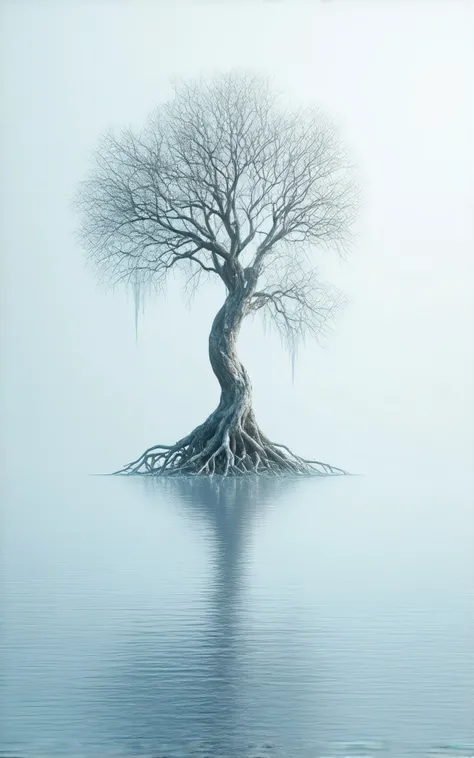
(224, 182)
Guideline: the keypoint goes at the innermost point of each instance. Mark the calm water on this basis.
(311, 618)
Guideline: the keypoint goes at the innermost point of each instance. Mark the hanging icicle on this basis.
(139, 292)
(136, 302)
(293, 354)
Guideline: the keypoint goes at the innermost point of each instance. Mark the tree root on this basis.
(228, 443)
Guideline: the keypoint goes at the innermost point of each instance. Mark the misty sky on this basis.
(394, 383)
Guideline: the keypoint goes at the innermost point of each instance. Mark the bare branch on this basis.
(295, 302)
(221, 174)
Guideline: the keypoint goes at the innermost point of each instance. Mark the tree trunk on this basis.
(229, 441)
(234, 381)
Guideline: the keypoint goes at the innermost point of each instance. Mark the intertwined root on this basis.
(228, 443)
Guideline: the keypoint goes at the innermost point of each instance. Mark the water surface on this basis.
(327, 617)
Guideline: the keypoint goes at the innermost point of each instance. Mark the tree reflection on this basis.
(185, 690)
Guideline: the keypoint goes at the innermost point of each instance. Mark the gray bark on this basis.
(230, 441)
(234, 381)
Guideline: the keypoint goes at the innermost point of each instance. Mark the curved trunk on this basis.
(236, 388)
(229, 441)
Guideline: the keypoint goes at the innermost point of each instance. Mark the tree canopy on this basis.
(224, 181)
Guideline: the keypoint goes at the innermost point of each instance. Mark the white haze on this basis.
(393, 387)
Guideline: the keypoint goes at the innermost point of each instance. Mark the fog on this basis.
(327, 616)
(392, 388)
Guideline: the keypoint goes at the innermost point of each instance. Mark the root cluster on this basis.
(228, 443)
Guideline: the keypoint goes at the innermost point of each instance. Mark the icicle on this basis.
(138, 289)
(290, 344)
(136, 300)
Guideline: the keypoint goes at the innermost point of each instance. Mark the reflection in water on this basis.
(149, 618)
(186, 692)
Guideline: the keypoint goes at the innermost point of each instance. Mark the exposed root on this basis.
(228, 443)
